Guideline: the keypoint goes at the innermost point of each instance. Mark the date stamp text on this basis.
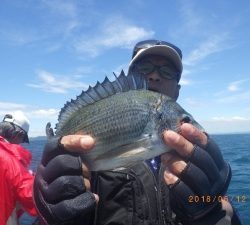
(210, 198)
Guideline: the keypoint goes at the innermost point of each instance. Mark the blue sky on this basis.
(51, 50)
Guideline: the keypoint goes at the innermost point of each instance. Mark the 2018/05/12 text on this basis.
(210, 198)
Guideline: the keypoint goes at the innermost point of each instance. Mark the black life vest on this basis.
(132, 196)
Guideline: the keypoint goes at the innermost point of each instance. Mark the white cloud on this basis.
(18, 36)
(240, 97)
(49, 82)
(192, 21)
(73, 25)
(119, 33)
(229, 94)
(213, 44)
(63, 19)
(61, 7)
(233, 118)
(10, 106)
(114, 32)
(44, 113)
(191, 102)
(233, 124)
(185, 81)
(65, 16)
(235, 86)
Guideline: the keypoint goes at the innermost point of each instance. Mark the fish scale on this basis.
(111, 117)
(124, 118)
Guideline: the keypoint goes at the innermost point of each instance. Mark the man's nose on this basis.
(154, 76)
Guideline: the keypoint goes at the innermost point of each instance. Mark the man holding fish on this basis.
(96, 176)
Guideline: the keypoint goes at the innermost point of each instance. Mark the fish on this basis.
(125, 119)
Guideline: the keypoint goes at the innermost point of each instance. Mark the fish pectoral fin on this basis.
(132, 152)
(127, 150)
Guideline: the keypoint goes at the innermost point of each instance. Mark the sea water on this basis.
(235, 149)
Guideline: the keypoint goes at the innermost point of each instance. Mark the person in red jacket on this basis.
(15, 178)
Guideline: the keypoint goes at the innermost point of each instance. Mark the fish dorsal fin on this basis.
(122, 83)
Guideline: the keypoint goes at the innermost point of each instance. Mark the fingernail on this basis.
(169, 177)
(87, 142)
(188, 129)
(167, 173)
(170, 135)
(96, 198)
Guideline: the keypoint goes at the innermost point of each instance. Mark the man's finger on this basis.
(170, 178)
(175, 141)
(70, 208)
(85, 171)
(61, 165)
(78, 143)
(87, 183)
(193, 134)
(174, 163)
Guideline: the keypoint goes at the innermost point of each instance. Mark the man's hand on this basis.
(196, 168)
(62, 183)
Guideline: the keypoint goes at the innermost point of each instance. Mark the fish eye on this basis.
(186, 119)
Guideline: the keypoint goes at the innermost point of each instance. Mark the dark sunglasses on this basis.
(20, 134)
(165, 71)
(149, 43)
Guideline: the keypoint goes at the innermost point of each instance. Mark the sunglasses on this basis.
(20, 134)
(165, 71)
(149, 43)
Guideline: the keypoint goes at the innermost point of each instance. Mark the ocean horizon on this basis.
(43, 137)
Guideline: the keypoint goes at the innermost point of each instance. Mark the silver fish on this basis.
(125, 119)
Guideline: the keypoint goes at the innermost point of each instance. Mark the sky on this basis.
(51, 50)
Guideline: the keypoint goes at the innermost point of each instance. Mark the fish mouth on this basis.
(153, 89)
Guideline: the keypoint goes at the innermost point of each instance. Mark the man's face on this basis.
(17, 140)
(18, 136)
(167, 85)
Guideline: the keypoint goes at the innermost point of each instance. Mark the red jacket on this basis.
(15, 182)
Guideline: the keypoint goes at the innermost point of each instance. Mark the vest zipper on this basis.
(161, 199)
(157, 187)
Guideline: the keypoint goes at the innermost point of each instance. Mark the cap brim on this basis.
(161, 50)
(26, 138)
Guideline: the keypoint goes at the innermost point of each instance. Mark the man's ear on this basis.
(177, 90)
